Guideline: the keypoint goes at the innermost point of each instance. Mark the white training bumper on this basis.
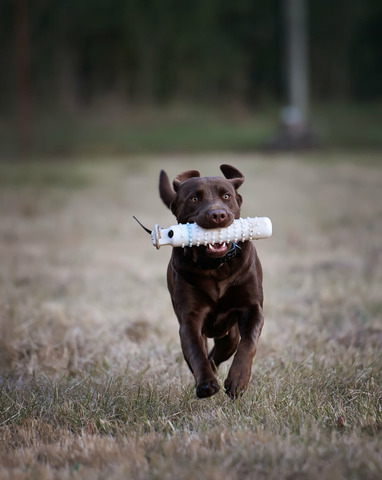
(192, 234)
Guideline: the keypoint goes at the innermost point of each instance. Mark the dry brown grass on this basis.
(93, 383)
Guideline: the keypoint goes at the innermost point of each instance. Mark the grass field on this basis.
(93, 382)
(196, 129)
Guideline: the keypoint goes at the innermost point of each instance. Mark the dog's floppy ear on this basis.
(166, 193)
(233, 174)
(182, 177)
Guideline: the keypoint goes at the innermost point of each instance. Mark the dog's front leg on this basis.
(195, 353)
(250, 326)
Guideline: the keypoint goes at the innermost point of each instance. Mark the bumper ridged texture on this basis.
(191, 234)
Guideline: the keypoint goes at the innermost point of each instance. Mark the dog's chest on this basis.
(217, 290)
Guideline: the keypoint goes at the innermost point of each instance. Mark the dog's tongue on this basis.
(217, 247)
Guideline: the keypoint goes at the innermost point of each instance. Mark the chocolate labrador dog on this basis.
(216, 290)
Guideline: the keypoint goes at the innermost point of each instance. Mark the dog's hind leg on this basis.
(224, 347)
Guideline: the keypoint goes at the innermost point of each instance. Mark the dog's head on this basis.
(211, 202)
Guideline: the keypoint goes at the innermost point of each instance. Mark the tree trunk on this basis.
(23, 76)
(297, 58)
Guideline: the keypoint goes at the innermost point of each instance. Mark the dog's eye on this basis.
(194, 199)
(226, 196)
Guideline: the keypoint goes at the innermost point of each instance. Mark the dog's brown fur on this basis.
(222, 302)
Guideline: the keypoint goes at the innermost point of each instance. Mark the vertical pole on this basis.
(297, 58)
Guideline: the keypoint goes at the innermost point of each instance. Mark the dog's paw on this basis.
(235, 388)
(207, 389)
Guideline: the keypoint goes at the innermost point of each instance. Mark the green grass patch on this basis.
(189, 129)
(42, 174)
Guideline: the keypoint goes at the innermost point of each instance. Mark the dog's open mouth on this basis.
(216, 249)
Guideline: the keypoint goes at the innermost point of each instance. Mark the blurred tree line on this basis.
(152, 51)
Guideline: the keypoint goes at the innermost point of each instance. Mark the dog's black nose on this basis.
(218, 216)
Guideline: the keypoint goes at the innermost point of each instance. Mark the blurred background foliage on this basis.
(160, 75)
